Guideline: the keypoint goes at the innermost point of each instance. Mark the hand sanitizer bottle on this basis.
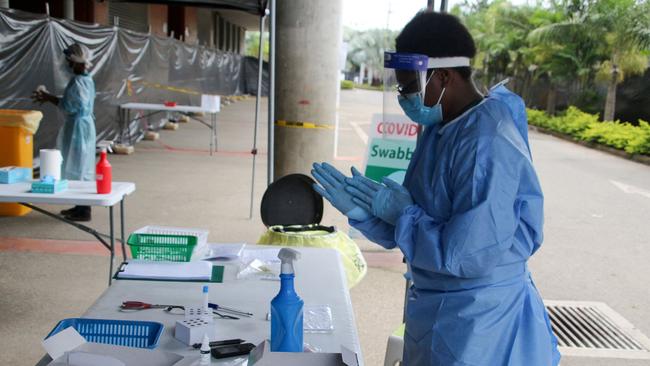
(286, 309)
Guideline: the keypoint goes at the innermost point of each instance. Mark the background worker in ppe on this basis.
(467, 217)
(76, 139)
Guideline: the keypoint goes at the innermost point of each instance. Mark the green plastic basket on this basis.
(157, 247)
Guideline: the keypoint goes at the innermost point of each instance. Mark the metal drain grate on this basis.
(593, 329)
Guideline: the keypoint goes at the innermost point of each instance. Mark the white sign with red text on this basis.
(391, 145)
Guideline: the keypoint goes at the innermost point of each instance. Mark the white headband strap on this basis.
(443, 62)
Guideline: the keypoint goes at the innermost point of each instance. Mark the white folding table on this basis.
(78, 194)
(125, 116)
(320, 280)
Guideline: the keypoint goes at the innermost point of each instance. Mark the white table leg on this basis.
(112, 248)
(122, 229)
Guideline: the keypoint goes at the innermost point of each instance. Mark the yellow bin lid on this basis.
(26, 119)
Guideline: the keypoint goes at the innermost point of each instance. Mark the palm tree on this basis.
(367, 47)
(605, 36)
(501, 33)
(492, 57)
(626, 26)
(566, 51)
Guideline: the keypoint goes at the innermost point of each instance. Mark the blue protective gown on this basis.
(477, 218)
(77, 139)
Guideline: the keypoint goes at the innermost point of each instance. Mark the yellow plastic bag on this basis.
(27, 120)
(313, 236)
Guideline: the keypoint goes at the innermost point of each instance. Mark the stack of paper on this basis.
(194, 270)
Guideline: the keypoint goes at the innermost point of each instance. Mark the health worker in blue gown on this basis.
(76, 139)
(467, 217)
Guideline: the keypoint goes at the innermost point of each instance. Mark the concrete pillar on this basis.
(242, 40)
(68, 9)
(4, 3)
(101, 12)
(307, 66)
(158, 19)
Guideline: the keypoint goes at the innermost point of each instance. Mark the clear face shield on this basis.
(393, 134)
(405, 84)
(405, 76)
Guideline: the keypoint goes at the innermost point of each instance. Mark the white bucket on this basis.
(210, 102)
(51, 160)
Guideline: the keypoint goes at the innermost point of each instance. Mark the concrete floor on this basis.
(595, 247)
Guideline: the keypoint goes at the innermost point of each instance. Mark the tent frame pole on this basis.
(271, 115)
(260, 72)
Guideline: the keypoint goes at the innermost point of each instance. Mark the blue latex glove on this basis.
(386, 201)
(332, 188)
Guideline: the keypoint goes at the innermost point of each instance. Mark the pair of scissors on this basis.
(139, 305)
(224, 316)
(215, 307)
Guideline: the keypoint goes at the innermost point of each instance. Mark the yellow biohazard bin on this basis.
(17, 128)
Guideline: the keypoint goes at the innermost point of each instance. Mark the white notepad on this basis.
(194, 270)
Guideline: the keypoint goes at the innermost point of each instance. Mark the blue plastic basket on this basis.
(129, 333)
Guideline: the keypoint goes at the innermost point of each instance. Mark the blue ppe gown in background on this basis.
(76, 140)
(476, 219)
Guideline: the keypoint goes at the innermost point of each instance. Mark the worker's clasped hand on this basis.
(386, 201)
(360, 198)
(332, 188)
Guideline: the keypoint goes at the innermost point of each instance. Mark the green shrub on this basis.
(347, 84)
(574, 121)
(614, 134)
(537, 118)
(586, 127)
(369, 87)
(640, 144)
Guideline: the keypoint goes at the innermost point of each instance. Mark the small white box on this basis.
(191, 331)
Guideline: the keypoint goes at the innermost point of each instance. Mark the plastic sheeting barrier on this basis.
(128, 67)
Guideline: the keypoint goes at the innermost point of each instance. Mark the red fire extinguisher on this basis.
(103, 174)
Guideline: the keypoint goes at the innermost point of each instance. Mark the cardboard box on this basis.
(69, 345)
(262, 356)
